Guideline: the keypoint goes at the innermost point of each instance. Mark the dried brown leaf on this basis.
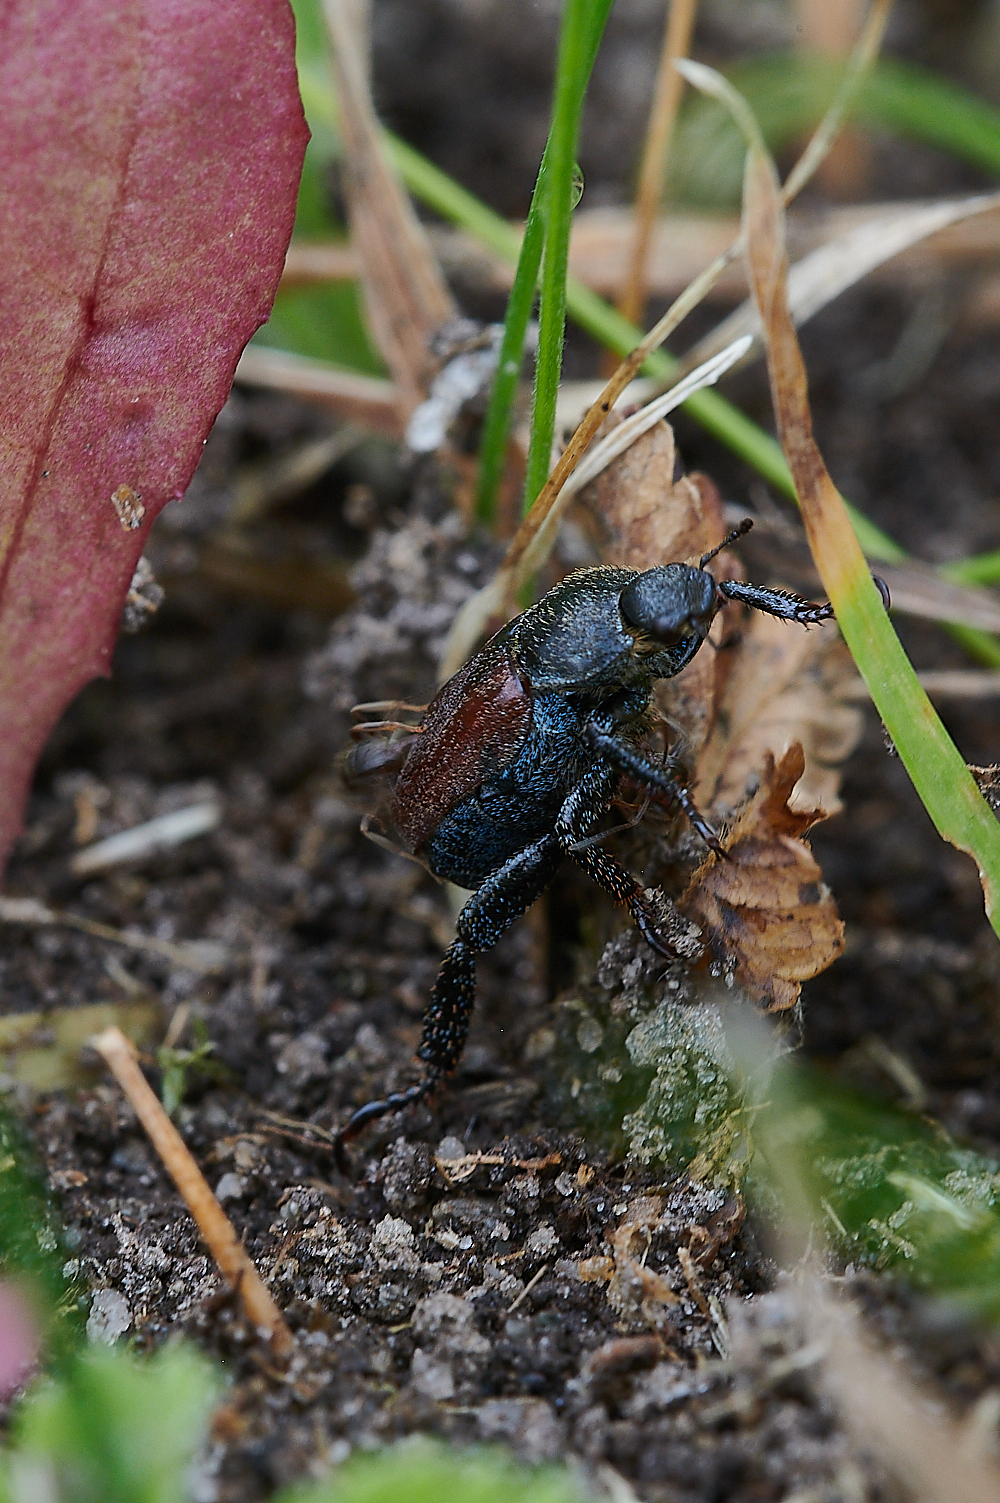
(634, 1289)
(645, 517)
(786, 687)
(933, 762)
(406, 297)
(765, 910)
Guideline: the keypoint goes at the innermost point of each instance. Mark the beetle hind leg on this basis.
(503, 897)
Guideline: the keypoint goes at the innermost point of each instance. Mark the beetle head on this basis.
(666, 605)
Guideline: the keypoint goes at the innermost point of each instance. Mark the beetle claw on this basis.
(647, 928)
(371, 1112)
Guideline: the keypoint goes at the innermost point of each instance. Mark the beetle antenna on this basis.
(737, 532)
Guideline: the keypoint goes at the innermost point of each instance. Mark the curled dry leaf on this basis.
(789, 686)
(643, 517)
(762, 713)
(765, 911)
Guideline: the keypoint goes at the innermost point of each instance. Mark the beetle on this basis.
(522, 751)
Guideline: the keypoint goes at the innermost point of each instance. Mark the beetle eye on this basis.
(668, 605)
(648, 614)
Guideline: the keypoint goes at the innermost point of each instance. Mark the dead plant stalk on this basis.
(213, 1223)
(666, 98)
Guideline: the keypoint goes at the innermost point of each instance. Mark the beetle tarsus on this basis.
(698, 822)
(645, 922)
(371, 1112)
(780, 603)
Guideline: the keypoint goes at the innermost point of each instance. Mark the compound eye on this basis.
(649, 612)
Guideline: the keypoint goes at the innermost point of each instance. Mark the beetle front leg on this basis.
(504, 896)
(581, 809)
(657, 779)
(780, 603)
(786, 606)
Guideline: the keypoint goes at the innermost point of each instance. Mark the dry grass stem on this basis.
(682, 244)
(213, 1223)
(366, 400)
(531, 544)
(822, 275)
(887, 1413)
(203, 956)
(528, 548)
(142, 840)
(406, 297)
(528, 1288)
(666, 98)
(259, 485)
(320, 261)
(945, 683)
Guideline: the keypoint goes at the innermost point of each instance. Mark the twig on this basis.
(884, 1411)
(202, 955)
(142, 840)
(666, 98)
(213, 1223)
(406, 297)
(363, 399)
(528, 1288)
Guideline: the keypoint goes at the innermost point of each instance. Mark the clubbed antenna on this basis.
(737, 532)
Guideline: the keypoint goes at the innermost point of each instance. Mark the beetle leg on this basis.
(375, 1109)
(786, 606)
(502, 898)
(780, 603)
(648, 775)
(582, 808)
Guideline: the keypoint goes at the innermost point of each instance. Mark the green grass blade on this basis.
(980, 569)
(717, 416)
(789, 92)
(937, 770)
(496, 430)
(581, 19)
(599, 319)
(915, 102)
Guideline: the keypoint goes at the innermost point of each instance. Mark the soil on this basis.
(453, 1285)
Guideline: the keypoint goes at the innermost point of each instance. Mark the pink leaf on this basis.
(19, 1340)
(149, 161)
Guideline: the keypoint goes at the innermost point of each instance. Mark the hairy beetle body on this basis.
(525, 748)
